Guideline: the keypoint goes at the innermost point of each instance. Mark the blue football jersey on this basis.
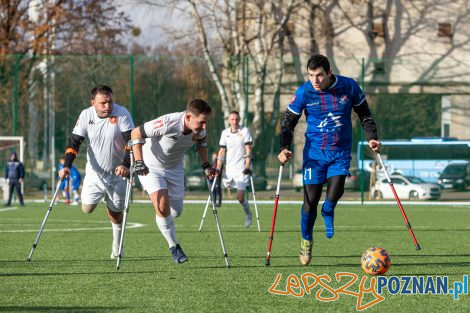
(328, 112)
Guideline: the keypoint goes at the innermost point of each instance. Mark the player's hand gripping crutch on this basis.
(398, 202)
(45, 219)
(130, 181)
(254, 200)
(214, 210)
(273, 222)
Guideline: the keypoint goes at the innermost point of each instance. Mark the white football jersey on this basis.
(105, 141)
(235, 147)
(166, 145)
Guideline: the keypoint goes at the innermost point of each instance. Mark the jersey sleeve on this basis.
(248, 138)
(80, 128)
(126, 122)
(296, 105)
(222, 142)
(357, 95)
(157, 127)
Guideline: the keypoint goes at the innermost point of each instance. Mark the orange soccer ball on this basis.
(375, 261)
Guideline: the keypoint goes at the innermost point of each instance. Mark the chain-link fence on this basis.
(42, 96)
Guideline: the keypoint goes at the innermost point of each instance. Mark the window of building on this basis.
(444, 30)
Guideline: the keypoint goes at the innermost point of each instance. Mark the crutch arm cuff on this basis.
(133, 142)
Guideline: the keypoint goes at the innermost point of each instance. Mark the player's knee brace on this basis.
(176, 207)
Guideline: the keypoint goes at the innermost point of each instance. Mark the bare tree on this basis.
(232, 33)
(34, 31)
(400, 29)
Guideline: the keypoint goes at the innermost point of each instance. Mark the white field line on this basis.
(8, 209)
(351, 227)
(352, 202)
(129, 225)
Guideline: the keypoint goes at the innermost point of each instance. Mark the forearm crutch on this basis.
(45, 219)
(254, 200)
(273, 222)
(398, 202)
(214, 210)
(207, 204)
(130, 181)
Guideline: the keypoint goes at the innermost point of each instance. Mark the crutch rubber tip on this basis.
(268, 262)
(418, 247)
(28, 259)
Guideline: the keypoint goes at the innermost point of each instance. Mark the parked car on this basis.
(354, 181)
(455, 175)
(407, 187)
(195, 180)
(260, 182)
(33, 181)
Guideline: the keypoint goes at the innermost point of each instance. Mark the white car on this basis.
(407, 187)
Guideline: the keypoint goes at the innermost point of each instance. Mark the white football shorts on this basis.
(174, 182)
(239, 181)
(112, 188)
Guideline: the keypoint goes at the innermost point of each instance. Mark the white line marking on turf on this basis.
(354, 202)
(346, 227)
(129, 225)
(8, 209)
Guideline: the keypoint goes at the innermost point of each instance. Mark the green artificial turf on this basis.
(71, 270)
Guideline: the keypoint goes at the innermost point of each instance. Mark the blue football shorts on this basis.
(319, 165)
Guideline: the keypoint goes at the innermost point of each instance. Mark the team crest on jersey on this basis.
(293, 99)
(113, 119)
(343, 99)
(158, 124)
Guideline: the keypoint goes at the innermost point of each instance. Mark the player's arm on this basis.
(138, 136)
(71, 153)
(248, 150)
(220, 158)
(368, 124)
(202, 149)
(127, 160)
(21, 168)
(288, 122)
(123, 168)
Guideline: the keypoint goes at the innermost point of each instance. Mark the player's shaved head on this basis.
(101, 89)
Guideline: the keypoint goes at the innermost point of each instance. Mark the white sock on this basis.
(168, 229)
(246, 207)
(75, 196)
(117, 228)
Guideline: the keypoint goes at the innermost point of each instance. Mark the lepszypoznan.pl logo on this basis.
(403, 285)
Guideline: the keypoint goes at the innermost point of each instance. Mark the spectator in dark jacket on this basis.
(14, 172)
